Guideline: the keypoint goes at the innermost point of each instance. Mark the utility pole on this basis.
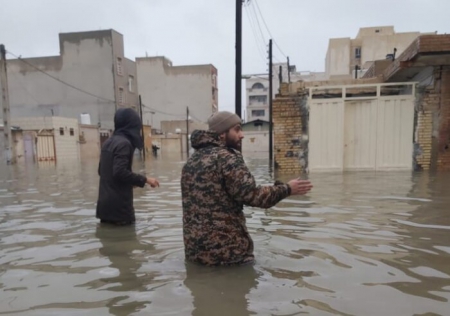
(142, 123)
(289, 69)
(270, 105)
(187, 131)
(238, 88)
(10, 153)
(280, 75)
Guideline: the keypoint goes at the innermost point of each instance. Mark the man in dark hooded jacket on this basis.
(115, 198)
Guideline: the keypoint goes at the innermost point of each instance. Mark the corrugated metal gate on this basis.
(45, 147)
(361, 127)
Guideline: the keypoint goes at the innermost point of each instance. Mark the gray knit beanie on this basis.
(221, 122)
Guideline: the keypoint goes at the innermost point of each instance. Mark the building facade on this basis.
(168, 90)
(370, 44)
(90, 75)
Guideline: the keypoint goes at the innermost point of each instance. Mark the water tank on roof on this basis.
(85, 118)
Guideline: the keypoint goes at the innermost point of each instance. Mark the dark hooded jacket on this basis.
(115, 198)
(215, 186)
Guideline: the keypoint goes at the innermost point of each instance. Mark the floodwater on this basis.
(359, 244)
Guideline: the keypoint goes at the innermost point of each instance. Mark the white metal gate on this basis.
(351, 131)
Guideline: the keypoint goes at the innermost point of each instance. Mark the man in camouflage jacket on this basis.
(215, 185)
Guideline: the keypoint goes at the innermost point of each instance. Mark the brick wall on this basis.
(432, 134)
(289, 119)
(423, 139)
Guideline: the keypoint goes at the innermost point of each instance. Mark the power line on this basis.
(59, 80)
(264, 21)
(255, 35)
(162, 112)
(257, 20)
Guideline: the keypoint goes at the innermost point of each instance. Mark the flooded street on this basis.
(359, 244)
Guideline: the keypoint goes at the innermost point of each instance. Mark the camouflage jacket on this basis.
(215, 186)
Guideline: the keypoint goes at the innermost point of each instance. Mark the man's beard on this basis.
(232, 143)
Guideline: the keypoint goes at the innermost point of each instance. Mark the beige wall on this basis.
(169, 89)
(169, 144)
(255, 144)
(89, 142)
(148, 139)
(17, 143)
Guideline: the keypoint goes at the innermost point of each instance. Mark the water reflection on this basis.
(126, 254)
(220, 291)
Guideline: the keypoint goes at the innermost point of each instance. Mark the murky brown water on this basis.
(359, 244)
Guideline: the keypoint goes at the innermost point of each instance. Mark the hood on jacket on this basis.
(201, 139)
(128, 123)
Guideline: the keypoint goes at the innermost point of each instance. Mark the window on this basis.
(121, 96)
(71, 132)
(258, 99)
(358, 52)
(130, 83)
(61, 131)
(258, 113)
(119, 66)
(258, 85)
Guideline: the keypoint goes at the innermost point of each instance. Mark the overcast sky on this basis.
(203, 31)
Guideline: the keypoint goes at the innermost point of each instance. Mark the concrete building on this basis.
(257, 88)
(90, 75)
(257, 98)
(370, 44)
(167, 90)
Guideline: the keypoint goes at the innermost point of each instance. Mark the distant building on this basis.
(370, 44)
(257, 88)
(167, 90)
(93, 62)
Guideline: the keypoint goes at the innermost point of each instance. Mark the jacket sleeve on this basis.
(121, 163)
(241, 185)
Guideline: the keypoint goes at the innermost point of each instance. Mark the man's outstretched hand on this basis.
(152, 182)
(300, 187)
